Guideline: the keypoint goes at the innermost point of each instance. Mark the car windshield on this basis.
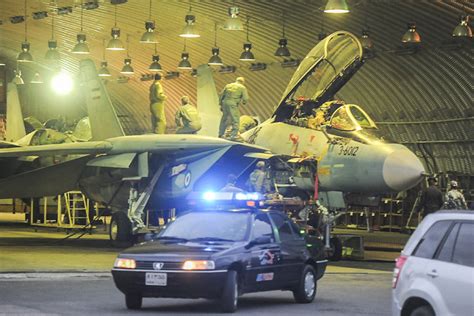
(209, 226)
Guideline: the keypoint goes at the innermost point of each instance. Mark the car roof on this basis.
(429, 220)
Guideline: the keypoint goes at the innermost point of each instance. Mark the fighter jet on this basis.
(125, 173)
(352, 162)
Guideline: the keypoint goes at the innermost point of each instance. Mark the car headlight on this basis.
(199, 265)
(123, 263)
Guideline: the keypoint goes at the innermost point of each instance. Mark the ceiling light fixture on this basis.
(365, 40)
(104, 70)
(25, 55)
(233, 22)
(36, 78)
(149, 37)
(18, 79)
(227, 69)
(247, 54)
(172, 75)
(155, 64)
(189, 30)
(463, 30)
(282, 50)
(411, 36)
(336, 6)
(115, 43)
(52, 53)
(215, 59)
(81, 46)
(258, 66)
(289, 63)
(127, 68)
(184, 64)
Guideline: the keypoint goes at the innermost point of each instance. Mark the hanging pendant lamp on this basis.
(149, 37)
(81, 46)
(127, 68)
(233, 22)
(185, 64)
(155, 63)
(115, 43)
(247, 54)
(52, 53)
(282, 50)
(104, 70)
(215, 59)
(25, 56)
(189, 30)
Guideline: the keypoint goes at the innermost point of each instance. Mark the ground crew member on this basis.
(230, 185)
(230, 98)
(246, 123)
(257, 178)
(157, 106)
(431, 198)
(187, 118)
(454, 198)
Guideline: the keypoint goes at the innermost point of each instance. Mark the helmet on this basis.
(260, 164)
(454, 184)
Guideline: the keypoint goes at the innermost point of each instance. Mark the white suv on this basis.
(435, 273)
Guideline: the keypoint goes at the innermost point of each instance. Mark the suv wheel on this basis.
(133, 301)
(424, 310)
(230, 294)
(306, 290)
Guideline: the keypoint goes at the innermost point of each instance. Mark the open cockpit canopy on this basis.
(326, 68)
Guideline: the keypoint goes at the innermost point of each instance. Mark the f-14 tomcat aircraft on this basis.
(310, 141)
(341, 138)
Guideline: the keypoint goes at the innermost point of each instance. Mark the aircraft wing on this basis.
(87, 148)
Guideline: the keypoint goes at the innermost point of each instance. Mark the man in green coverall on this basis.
(187, 118)
(231, 97)
(157, 106)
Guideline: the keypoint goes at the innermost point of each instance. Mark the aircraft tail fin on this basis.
(207, 102)
(15, 125)
(103, 118)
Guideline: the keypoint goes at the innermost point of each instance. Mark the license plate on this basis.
(157, 279)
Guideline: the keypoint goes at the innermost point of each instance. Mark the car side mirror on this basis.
(261, 240)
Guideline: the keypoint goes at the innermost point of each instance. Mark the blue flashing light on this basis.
(240, 196)
(209, 196)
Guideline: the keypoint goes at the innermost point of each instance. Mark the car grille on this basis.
(148, 265)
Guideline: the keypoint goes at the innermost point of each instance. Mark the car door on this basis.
(292, 250)
(415, 271)
(452, 272)
(263, 258)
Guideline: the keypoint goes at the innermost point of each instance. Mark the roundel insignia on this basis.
(187, 179)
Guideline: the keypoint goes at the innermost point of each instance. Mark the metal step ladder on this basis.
(77, 208)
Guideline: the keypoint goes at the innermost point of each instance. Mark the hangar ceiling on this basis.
(422, 99)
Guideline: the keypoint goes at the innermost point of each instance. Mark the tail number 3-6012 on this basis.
(348, 150)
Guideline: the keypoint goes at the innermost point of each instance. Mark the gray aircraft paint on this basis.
(15, 125)
(207, 102)
(103, 118)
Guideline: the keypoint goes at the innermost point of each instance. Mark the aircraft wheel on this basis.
(336, 249)
(120, 229)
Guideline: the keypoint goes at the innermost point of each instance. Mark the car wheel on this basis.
(424, 310)
(230, 294)
(336, 249)
(133, 301)
(306, 290)
(120, 229)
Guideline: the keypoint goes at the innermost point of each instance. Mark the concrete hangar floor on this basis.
(72, 276)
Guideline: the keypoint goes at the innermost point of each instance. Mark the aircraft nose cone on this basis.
(402, 170)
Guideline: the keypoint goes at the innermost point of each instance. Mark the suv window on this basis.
(283, 226)
(446, 252)
(262, 226)
(427, 246)
(463, 253)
